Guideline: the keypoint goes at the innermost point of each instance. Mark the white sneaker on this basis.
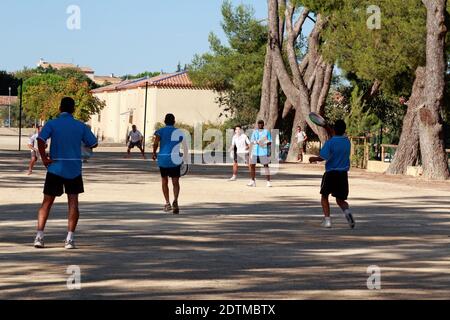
(233, 178)
(252, 184)
(39, 243)
(350, 220)
(70, 245)
(269, 184)
(326, 223)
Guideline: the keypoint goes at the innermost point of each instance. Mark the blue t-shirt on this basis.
(67, 135)
(336, 152)
(169, 149)
(261, 136)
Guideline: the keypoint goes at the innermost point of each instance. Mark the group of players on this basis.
(64, 163)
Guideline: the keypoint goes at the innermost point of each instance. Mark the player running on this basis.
(240, 146)
(33, 145)
(135, 139)
(261, 141)
(169, 139)
(336, 153)
(64, 167)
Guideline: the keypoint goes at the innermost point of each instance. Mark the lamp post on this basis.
(9, 109)
(145, 113)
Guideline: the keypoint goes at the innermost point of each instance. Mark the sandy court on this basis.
(230, 242)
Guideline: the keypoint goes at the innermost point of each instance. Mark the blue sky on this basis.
(116, 36)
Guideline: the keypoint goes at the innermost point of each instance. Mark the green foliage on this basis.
(43, 93)
(235, 70)
(360, 122)
(141, 75)
(390, 54)
(66, 73)
(7, 81)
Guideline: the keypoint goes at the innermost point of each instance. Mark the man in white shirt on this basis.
(135, 139)
(33, 145)
(301, 140)
(240, 146)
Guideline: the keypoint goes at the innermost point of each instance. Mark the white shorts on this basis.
(241, 158)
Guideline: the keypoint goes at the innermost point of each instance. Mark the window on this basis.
(130, 120)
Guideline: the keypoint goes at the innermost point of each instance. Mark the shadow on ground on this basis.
(131, 250)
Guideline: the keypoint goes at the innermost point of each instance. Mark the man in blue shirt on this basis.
(336, 153)
(169, 139)
(64, 166)
(261, 143)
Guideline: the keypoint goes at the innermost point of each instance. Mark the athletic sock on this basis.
(40, 235)
(69, 236)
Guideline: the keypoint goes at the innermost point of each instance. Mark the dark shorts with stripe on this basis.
(336, 184)
(174, 172)
(132, 145)
(55, 186)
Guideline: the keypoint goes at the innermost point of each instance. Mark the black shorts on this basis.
(135, 144)
(336, 184)
(174, 172)
(56, 186)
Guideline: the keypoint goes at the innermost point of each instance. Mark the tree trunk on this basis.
(269, 108)
(407, 153)
(306, 85)
(431, 131)
(294, 150)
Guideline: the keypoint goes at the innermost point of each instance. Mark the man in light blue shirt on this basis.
(64, 166)
(336, 153)
(261, 145)
(169, 140)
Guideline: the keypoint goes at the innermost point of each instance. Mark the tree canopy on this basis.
(235, 69)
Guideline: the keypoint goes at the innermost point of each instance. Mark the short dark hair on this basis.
(340, 127)
(67, 105)
(238, 126)
(261, 122)
(169, 120)
(133, 126)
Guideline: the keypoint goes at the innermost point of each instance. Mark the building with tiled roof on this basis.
(58, 66)
(107, 80)
(7, 100)
(167, 93)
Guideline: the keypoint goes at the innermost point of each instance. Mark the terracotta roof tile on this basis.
(171, 80)
(4, 100)
(59, 66)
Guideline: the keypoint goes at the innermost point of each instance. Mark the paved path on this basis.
(230, 242)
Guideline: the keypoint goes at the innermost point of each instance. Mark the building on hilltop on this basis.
(89, 72)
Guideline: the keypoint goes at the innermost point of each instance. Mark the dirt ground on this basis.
(230, 241)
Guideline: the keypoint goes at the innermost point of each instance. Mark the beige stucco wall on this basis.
(189, 106)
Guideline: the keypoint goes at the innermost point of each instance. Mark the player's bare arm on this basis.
(155, 147)
(45, 159)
